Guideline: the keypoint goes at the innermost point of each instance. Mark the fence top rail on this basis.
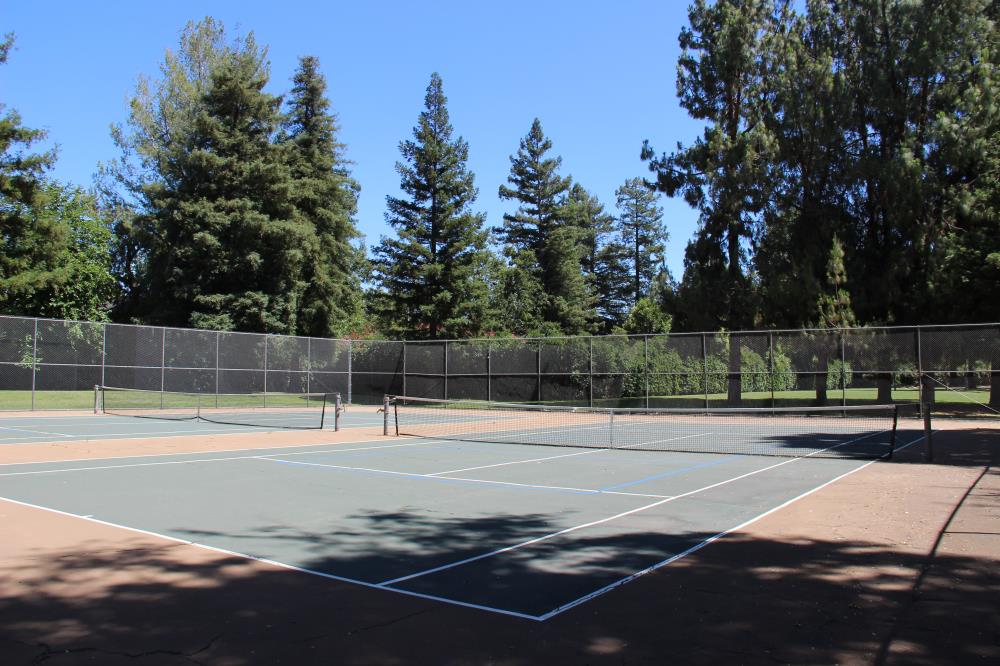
(541, 340)
(172, 328)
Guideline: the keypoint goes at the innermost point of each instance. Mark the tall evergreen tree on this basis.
(640, 223)
(157, 137)
(228, 244)
(325, 194)
(54, 247)
(806, 210)
(605, 257)
(834, 304)
(722, 80)
(539, 239)
(432, 272)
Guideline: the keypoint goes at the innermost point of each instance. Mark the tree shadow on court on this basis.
(739, 600)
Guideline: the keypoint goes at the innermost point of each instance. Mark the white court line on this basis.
(518, 462)
(669, 439)
(567, 530)
(347, 468)
(290, 567)
(40, 432)
(193, 460)
(382, 586)
(701, 544)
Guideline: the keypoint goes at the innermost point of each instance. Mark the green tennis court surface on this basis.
(528, 531)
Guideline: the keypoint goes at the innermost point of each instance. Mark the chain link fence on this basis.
(54, 364)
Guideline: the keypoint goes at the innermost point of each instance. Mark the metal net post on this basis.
(385, 416)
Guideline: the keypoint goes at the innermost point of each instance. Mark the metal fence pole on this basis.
(770, 364)
(218, 335)
(538, 359)
(590, 370)
(843, 369)
(163, 363)
(404, 368)
(104, 351)
(489, 371)
(920, 370)
(445, 369)
(645, 365)
(34, 362)
(350, 371)
(266, 336)
(704, 359)
(308, 368)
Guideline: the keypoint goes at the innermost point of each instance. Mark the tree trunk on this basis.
(735, 393)
(927, 390)
(821, 379)
(995, 389)
(884, 390)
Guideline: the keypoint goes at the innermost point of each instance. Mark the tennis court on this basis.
(529, 531)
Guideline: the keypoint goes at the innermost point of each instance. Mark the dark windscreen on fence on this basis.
(53, 364)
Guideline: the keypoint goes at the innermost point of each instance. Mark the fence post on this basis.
(489, 371)
(590, 402)
(645, 365)
(770, 364)
(163, 362)
(404, 368)
(34, 362)
(920, 370)
(538, 359)
(704, 359)
(266, 336)
(104, 351)
(218, 336)
(445, 369)
(843, 369)
(350, 371)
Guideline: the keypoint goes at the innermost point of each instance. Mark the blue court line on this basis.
(673, 472)
(439, 479)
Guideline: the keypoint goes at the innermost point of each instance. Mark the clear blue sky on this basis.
(599, 75)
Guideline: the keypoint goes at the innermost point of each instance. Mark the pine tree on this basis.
(722, 78)
(153, 143)
(834, 305)
(432, 273)
(325, 195)
(543, 241)
(604, 258)
(640, 222)
(229, 244)
(54, 259)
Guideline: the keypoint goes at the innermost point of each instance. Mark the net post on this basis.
(385, 416)
(895, 426)
(925, 411)
(97, 398)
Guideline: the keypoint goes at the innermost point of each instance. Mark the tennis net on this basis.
(267, 410)
(841, 432)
